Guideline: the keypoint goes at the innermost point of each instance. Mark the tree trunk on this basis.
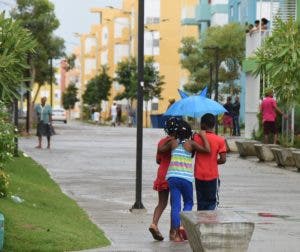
(36, 94)
(146, 114)
(69, 113)
(293, 125)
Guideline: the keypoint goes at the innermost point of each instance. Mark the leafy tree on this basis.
(71, 61)
(15, 45)
(126, 75)
(7, 147)
(98, 88)
(199, 56)
(7, 136)
(69, 97)
(278, 60)
(153, 83)
(38, 17)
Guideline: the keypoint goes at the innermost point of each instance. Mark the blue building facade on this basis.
(243, 12)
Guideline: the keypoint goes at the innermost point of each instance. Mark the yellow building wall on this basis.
(171, 33)
(45, 91)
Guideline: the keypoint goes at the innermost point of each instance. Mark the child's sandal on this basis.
(155, 233)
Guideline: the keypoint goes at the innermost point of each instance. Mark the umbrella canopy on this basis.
(182, 94)
(195, 106)
(185, 95)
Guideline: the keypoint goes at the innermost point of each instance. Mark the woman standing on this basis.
(44, 122)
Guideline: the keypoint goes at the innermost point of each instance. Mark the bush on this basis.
(3, 184)
(7, 136)
(7, 146)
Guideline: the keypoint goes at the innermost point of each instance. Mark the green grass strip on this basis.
(47, 220)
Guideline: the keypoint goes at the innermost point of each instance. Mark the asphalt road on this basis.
(96, 167)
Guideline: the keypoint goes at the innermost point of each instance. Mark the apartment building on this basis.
(114, 38)
(247, 11)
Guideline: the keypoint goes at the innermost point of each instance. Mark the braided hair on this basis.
(171, 126)
(184, 131)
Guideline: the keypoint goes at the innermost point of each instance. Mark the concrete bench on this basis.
(264, 153)
(219, 230)
(283, 156)
(246, 147)
(231, 145)
(296, 155)
(1, 231)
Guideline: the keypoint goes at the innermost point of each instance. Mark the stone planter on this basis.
(264, 153)
(246, 147)
(283, 157)
(231, 145)
(219, 230)
(1, 231)
(296, 156)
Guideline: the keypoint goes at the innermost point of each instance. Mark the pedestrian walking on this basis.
(268, 109)
(113, 114)
(44, 122)
(236, 116)
(96, 117)
(206, 165)
(129, 115)
(227, 117)
(180, 173)
(119, 114)
(160, 184)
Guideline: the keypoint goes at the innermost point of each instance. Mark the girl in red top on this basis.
(160, 184)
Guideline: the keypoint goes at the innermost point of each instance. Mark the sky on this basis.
(74, 17)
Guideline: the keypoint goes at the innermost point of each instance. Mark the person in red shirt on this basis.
(268, 109)
(206, 165)
(160, 184)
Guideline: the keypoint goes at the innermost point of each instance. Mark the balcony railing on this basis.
(254, 41)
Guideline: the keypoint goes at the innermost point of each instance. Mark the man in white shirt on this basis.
(96, 117)
(113, 114)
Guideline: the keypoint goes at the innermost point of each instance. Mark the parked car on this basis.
(59, 115)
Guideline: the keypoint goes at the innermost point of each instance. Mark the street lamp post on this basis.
(139, 139)
(51, 82)
(216, 49)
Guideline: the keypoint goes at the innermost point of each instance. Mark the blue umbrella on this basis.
(195, 106)
(203, 92)
(182, 94)
(185, 95)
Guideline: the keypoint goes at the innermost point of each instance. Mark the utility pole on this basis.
(139, 136)
(51, 82)
(28, 98)
(217, 84)
(210, 80)
(216, 50)
(16, 123)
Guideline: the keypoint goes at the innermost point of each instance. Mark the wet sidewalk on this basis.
(96, 167)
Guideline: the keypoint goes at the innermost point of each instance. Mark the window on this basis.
(152, 11)
(239, 11)
(104, 57)
(152, 40)
(154, 106)
(120, 24)
(152, 20)
(231, 11)
(104, 36)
